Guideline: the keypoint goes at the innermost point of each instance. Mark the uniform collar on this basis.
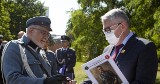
(33, 46)
(29, 43)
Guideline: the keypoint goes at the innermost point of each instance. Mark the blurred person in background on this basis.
(66, 58)
(20, 34)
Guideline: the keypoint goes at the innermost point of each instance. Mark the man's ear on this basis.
(123, 25)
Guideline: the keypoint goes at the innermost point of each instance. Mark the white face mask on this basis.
(111, 38)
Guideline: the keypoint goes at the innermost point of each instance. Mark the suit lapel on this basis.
(128, 47)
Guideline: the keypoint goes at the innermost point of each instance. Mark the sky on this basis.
(58, 13)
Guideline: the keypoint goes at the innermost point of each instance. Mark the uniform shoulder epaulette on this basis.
(72, 49)
(17, 41)
(50, 51)
(58, 49)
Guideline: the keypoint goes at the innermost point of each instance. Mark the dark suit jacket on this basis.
(70, 59)
(138, 60)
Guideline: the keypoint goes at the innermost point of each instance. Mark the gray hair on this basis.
(115, 15)
(28, 28)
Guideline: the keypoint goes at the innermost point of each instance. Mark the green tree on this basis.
(155, 34)
(4, 22)
(20, 11)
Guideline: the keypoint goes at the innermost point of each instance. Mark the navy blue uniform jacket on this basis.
(70, 59)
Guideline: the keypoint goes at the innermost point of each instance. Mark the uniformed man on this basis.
(22, 61)
(66, 58)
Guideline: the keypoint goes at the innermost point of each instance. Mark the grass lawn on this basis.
(80, 75)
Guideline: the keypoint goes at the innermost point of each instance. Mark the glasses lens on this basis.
(44, 33)
(107, 29)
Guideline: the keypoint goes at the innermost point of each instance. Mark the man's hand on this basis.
(72, 82)
(69, 81)
(56, 79)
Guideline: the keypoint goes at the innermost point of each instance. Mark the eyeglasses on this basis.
(108, 29)
(43, 32)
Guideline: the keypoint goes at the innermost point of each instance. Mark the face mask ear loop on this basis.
(115, 30)
(121, 33)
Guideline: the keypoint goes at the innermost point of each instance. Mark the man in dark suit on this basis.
(137, 57)
(66, 58)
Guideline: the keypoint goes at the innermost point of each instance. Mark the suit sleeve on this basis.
(147, 65)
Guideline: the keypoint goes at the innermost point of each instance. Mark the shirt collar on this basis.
(127, 38)
(64, 48)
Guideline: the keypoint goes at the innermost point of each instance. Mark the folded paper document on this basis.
(103, 70)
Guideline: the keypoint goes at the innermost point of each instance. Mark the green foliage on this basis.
(19, 11)
(4, 22)
(84, 27)
(141, 12)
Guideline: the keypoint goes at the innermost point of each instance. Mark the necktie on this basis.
(117, 50)
(63, 70)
